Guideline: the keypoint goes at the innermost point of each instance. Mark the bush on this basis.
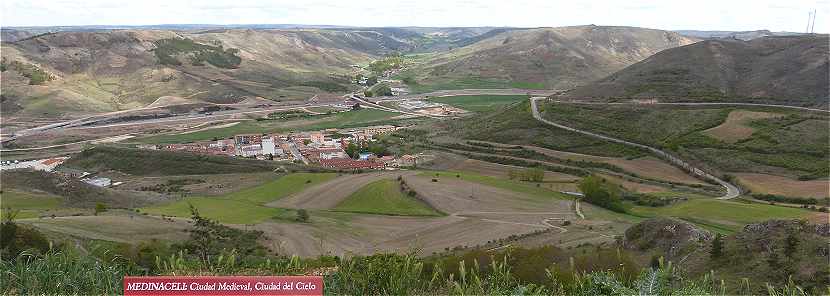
(602, 193)
(302, 215)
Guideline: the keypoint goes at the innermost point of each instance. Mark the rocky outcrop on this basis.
(672, 237)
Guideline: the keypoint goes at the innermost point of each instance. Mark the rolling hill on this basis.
(98, 71)
(783, 70)
(555, 58)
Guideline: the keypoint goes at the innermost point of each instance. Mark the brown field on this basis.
(634, 186)
(771, 184)
(736, 126)
(476, 214)
(502, 171)
(649, 167)
(116, 228)
(217, 184)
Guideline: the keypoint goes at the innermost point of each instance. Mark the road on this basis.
(732, 191)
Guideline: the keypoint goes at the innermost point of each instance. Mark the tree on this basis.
(368, 93)
(717, 247)
(533, 175)
(302, 215)
(100, 208)
(601, 193)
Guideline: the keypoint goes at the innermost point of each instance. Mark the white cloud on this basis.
(788, 15)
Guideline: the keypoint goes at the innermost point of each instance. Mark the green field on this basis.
(721, 215)
(222, 210)
(479, 103)
(338, 120)
(245, 206)
(30, 205)
(282, 187)
(384, 197)
(529, 189)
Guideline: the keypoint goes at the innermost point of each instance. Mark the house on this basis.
(250, 150)
(366, 155)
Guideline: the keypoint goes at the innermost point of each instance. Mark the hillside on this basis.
(559, 58)
(784, 70)
(121, 69)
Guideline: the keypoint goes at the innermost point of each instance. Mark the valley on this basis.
(324, 144)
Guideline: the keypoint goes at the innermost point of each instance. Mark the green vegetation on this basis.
(384, 197)
(721, 215)
(529, 189)
(479, 103)
(516, 125)
(788, 142)
(378, 90)
(390, 62)
(35, 74)
(245, 206)
(602, 193)
(221, 209)
(328, 86)
(161, 163)
(167, 50)
(281, 187)
(530, 174)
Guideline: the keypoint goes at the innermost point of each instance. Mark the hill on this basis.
(742, 35)
(784, 70)
(559, 58)
(98, 71)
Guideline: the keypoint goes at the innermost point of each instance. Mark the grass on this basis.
(516, 186)
(384, 197)
(339, 120)
(721, 214)
(479, 103)
(245, 206)
(223, 210)
(788, 141)
(30, 205)
(282, 187)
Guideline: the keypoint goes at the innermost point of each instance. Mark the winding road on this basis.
(732, 191)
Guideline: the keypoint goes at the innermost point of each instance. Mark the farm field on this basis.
(30, 205)
(384, 197)
(329, 194)
(502, 171)
(771, 184)
(224, 210)
(721, 215)
(281, 187)
(737, 125)
(479, 103)
(244, 206)
(116, 227)
(647, 166)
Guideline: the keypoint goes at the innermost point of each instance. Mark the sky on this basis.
(729, 15)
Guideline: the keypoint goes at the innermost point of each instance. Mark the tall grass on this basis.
(62, 272)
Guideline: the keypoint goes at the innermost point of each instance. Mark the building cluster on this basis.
(326, 148)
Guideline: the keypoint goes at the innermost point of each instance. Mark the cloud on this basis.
(699, 15)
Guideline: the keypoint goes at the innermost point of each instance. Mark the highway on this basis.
(732, 191)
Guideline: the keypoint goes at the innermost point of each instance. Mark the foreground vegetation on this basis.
(33, 266)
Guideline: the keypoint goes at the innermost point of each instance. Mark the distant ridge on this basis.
(785, 70)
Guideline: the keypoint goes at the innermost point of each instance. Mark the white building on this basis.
(250, 150)
(269, 146)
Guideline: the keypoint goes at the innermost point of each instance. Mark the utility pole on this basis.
(813, 26)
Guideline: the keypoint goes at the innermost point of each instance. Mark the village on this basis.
(347, 149)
